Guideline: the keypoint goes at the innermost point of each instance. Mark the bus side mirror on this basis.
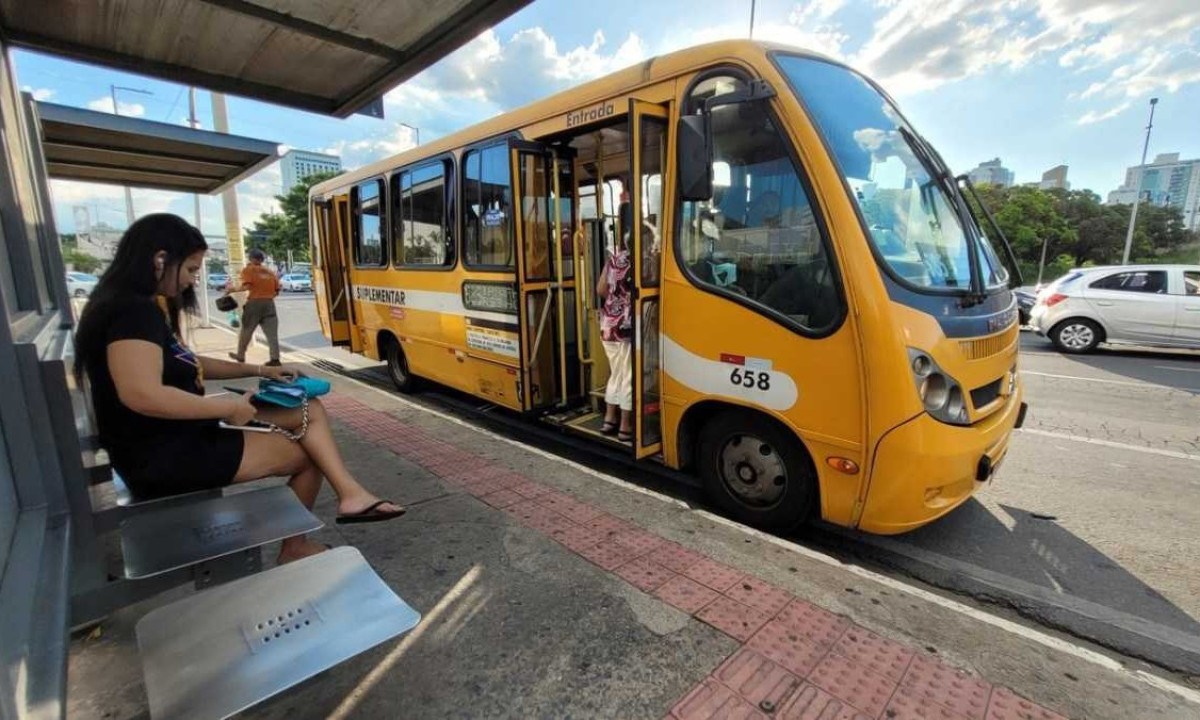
(694, 158)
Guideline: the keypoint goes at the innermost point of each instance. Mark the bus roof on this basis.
(646, 72)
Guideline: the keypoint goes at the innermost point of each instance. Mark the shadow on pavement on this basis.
(1179, 369)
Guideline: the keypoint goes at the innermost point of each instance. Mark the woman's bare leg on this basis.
(271, 455)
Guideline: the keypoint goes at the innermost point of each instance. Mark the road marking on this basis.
(1004, 624)
(1177, 369)
(1099, 380)
(1109, 443)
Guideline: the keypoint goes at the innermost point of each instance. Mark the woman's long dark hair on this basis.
(132, 275)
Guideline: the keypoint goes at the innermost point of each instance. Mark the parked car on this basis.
(1134, 304)
(80, 284)
(296, 282)
(1026, 297)
(217, 281)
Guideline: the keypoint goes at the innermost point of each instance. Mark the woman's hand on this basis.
(240, 410)
(282, 373)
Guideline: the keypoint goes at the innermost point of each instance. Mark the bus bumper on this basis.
(924, 468)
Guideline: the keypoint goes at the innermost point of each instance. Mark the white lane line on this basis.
(1099, 380)
(1177, 369)
(1109, 443)
(998, 622)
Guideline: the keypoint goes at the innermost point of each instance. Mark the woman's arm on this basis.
(215, 369)
(136, 368)
(602, 285)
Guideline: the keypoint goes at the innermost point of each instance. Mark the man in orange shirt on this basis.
(260, 306)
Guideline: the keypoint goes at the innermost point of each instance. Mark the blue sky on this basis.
(1034, 82)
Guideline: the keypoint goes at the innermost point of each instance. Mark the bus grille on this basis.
(989, 346)
(981, 396)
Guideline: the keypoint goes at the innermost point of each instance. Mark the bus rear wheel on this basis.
(755, 471)
(397, 366)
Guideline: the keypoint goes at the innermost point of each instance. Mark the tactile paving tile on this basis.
(810, 702)
(639, 541)
(610, 525)
(1007, 705)
(759, 595)
(576, 538)
(607, 555)
(763, 683)
(874, 652)
(935, 681)
(529, 489)
(676, 557)
(507, 479)
(867, 691)
(821, 626)
(713, 701)
(779, 642)
(577, 511)
(732, 618)
(535, 516)
(713, 574)
(502, 498)
(554, 500)
(905, 705)
(687, 595)
(644, 574)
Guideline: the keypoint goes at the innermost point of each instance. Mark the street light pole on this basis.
(1137, 196)
(416, 131)
(117, 111)
(206, 316)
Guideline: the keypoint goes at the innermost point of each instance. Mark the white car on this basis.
(296, 282)
(80, 284)
(1134, 304)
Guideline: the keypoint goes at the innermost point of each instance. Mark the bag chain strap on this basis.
(296, 436)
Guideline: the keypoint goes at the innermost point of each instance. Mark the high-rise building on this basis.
(299, 164)
(991, 172)
(1055, 179)
(1166, 181)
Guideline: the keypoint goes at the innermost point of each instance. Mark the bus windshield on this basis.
(898, 184)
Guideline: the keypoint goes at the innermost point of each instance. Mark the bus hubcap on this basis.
(1076, 337)
(753, 471)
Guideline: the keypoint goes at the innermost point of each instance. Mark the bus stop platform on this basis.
(550, 590)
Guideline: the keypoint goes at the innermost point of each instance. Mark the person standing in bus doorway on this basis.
(616, 332)
(260, 307)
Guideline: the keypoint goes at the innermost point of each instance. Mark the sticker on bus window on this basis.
(754, 380)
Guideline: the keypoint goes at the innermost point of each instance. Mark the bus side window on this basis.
(487, 208)
(757, 237)
(367, 211)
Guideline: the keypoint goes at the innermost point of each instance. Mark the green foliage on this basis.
(81, 261)
(215, 266)
(277, 233)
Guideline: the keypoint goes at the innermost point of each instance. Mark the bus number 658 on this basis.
(750, 379)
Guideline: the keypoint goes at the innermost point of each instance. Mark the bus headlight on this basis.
(941, 394)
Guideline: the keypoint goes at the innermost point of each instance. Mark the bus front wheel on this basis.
(755, 471)
(397, 366)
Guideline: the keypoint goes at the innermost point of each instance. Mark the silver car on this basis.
(1133, 304)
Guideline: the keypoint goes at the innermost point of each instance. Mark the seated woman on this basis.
(161, 432)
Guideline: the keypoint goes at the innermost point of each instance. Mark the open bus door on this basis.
(329, 274)
(648, 151)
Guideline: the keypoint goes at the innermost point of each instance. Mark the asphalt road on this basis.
(1095, 510)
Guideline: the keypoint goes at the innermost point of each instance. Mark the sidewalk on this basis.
(550, 591)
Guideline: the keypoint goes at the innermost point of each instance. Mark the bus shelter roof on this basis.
(101, 147)
(335, 58)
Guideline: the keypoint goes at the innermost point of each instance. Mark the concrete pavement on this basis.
(552, 590)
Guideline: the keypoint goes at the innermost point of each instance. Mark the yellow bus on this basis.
(822, 327)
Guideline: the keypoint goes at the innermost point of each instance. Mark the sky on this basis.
(1036, 83)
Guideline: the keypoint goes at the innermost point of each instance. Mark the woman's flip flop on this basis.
(369, 514)
(608, 429)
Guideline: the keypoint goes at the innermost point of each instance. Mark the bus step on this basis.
(222, 650)
(158, 541)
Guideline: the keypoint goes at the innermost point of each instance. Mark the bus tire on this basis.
(755, 471)
(397, 366)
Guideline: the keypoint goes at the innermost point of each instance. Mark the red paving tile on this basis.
(713, 701)
(644, 574)
(853, 684)
(577, 538)
(687, 595)
(610, 525)
(934, 681)
(529, 489)
(733, 618)
(904, 705)
(713, 574)
(761, 682)
(876, 653)
(812, 703)
(812, 622)
(502, 499)
(554, 499)
(639, 541)
(1007, 705)
(777, 641)
(759, 595)
(577, 511)
(607, 555)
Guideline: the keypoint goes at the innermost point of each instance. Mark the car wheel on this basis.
(1076, 335)
(397, 366)
(755, 471)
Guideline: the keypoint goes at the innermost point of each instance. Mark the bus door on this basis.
(540, 281)
(329, 273)
(648, 153)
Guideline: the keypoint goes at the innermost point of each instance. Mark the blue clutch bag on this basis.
(291, 394)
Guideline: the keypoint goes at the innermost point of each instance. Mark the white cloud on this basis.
(105, 104)
(39, 94)
(1092, 116)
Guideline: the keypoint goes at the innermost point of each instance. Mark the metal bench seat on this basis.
(223, 650)
(179, 536)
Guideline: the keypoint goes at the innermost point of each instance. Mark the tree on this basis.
(278, 233)
(81, 261)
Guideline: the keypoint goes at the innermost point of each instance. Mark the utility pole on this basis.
(233, 232)
(117, 111)
(206, 313)
(752, 2)
(1137, 196)
(416, 131)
